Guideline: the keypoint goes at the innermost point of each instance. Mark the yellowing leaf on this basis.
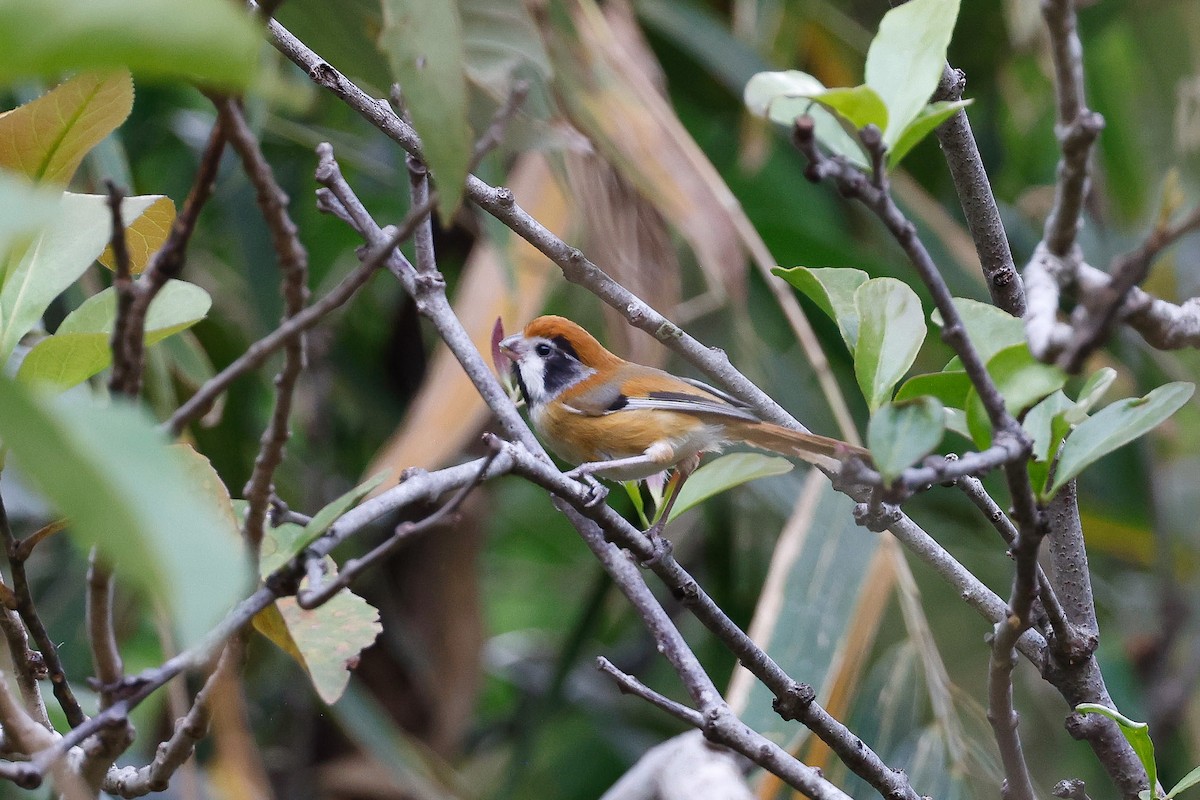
(48, 137)
(144, 235)
(325, 641)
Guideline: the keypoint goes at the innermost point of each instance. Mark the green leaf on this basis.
(950, 388)
(47, 138)
(24, 210)
(212, 42)
(81, 347)
(926, 121)
(1046, 422)
(156, 511)
(284, 542)
(724, 473)
(1092, 391)
(901, 434)
(634, 490)
(56, 259)
(832, 289)
(1022, 381)
(321, 521)
(1187, 782)
(326, 641)
(280, 543)
(906, 57)
(501, 41)
(783, 96)
(890, 333)
(1136, 733)
(860, 106)
(1116, 425)
(1041, 421)
(422, 42)
(989, 328)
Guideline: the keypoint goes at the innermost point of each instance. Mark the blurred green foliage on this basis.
(507, 609)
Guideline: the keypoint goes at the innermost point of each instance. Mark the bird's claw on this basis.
(596, 491)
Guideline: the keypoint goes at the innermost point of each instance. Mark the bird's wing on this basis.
(636, 387)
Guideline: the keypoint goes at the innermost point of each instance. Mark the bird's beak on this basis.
(512, 346)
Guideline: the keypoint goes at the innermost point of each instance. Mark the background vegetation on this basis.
(482, 682)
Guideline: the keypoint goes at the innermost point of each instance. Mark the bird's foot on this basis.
(596, 491)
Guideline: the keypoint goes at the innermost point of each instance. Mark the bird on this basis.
(623, 421)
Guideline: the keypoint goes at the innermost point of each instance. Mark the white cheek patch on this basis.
(533, 375)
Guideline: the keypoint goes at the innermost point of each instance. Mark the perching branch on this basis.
(1077, 128)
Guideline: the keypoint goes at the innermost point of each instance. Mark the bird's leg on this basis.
(659, 454)
(682, 471)
(592, 467)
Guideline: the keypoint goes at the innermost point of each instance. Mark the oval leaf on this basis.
(930, 117)
(326, 641)
(890, 333)
(47, 138)
(213, 42)
(859, 106)
(422, 42)
(144, 235)
(906, 57)
(1116, 425)
(150, 507)
(990, 329)
(832, 289)
(1022, 381)
(901, 434)
(724, 473)
(950, 388)
(1136, 733)
(783, 96)
(81, 347)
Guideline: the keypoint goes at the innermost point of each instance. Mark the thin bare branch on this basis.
(167, 263)
(978, 202)
(317, 594)
(28, 665)
(199, 403)
(1077, 128)
(33, 622)
(1128, 271)
(293, 267)
(173, 753)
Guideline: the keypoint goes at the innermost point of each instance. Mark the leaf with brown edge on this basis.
(327, 640)
(47, 138)
(144, 235)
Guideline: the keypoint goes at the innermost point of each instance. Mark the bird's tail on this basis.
(821, 451)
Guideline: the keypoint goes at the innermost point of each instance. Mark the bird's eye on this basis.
(542, 349)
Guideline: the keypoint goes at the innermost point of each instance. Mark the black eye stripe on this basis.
(565, 347)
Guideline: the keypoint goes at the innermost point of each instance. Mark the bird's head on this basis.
(552, 354)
